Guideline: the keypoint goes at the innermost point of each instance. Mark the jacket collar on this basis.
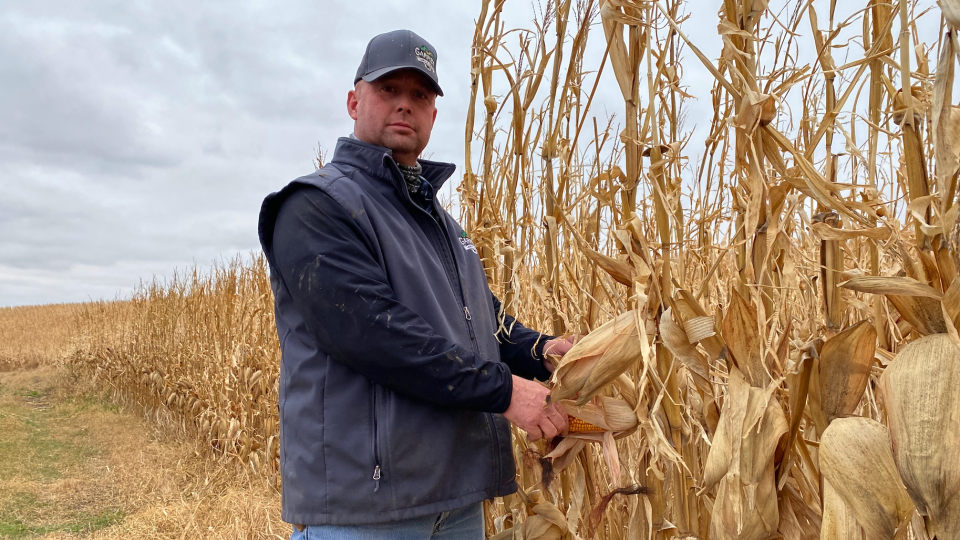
(379, 162)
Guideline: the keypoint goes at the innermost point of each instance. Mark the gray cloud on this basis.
(140, 137)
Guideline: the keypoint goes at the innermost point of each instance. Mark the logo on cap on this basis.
(426, 58)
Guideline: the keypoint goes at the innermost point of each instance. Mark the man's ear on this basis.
(353, 100)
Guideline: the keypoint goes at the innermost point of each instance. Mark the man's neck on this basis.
(400, 159)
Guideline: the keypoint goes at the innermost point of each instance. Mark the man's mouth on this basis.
(402, 125)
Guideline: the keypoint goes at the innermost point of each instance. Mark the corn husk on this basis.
(741, 461)
(951, 12)
(845, 370)
(920, 395)
(605, 412)
(615, 419)
(839, 523)
(597, 359)
(856, 458)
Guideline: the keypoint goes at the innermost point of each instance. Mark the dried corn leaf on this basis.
(798, 385)
(742, 461)
(797, 520)
(856, 458)
(677, 342)
(951, 310)
(740, 331)
(566, 452)
(845, 369)
(946, 120)
(945, 265)
(920, 395)
(917, 302)
(891, 285)
(826, 232)
(703, 329)
(618, 270)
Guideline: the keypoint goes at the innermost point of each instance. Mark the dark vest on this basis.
(335, 424)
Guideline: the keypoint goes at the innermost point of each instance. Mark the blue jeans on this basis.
(461, 524)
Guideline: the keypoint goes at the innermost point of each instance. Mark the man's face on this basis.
(395, 111)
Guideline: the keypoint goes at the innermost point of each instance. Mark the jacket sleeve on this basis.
(520, 347)
(347, 303)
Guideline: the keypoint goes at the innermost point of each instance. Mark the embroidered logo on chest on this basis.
(467, 243)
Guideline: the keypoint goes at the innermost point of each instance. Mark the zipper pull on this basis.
(466, 311)
(376, 476)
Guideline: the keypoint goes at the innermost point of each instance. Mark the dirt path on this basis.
(74, 465)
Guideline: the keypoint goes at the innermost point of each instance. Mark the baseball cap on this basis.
(400, 49)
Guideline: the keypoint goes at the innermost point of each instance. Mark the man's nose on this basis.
(404, 103)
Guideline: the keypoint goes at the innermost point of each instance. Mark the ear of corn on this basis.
(839, 523)
(923, 411)
(857, 461)
(845, 363)
(598, 359)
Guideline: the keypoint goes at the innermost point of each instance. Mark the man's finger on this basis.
(556, 426)
(555, 412)
(554, 422)
(550, 430)
(534, 434)
(562, 418)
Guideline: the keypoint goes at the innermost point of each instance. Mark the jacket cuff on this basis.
(502, 402)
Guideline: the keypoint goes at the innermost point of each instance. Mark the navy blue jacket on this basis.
(396, 358)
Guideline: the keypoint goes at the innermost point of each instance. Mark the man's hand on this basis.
(530, 412)
(558, 347)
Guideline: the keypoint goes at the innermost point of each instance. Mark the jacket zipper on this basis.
(376, 449)
(446, 242)
(463, 298)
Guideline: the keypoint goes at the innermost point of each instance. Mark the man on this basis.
(399, 370)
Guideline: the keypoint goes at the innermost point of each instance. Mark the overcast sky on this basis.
(140, 137)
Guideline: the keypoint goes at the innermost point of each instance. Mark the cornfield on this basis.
(33, 335)
(770, 320)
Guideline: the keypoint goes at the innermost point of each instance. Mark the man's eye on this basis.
(387, 88)
(421, 95)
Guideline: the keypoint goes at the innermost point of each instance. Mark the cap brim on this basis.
(376, 74)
